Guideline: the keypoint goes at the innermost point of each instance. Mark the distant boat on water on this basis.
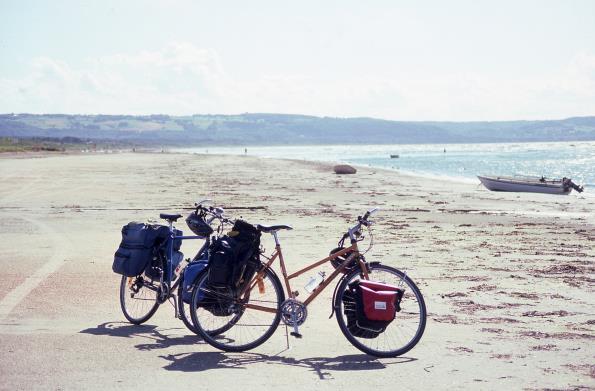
(529, 184)
(394, 156)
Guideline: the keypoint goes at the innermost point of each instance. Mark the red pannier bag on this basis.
(379, 300)
(370, 307)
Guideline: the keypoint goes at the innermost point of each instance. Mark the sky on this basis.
(401, 60)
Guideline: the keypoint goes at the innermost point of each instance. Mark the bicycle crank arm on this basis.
(295, 332)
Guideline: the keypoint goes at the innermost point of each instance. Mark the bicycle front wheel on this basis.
(185, 312)
(234, 324)
(184, 309)
(399, 336)
(138, 298)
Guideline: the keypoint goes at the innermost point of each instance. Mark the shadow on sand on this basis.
(322, 366)
(204, 361)
(157, 337)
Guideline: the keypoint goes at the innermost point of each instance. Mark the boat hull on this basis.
(512, 185)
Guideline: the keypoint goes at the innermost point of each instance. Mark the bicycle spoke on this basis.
(398, 336)
(237, 325)
(138, 299)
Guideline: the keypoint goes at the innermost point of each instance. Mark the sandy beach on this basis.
(508, 278)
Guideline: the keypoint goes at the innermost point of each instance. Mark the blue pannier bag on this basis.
(190, 273)
(136, 249)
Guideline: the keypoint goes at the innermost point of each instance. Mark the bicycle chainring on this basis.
(293, 312)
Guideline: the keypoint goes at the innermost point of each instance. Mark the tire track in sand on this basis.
(61, 248)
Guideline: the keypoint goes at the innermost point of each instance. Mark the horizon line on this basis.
(293, 114)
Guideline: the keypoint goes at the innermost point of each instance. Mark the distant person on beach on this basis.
(245, 151)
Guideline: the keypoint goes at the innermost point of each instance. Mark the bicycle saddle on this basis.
(169, 217)
(271, 228)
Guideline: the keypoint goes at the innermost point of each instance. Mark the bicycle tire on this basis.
(225, 322)
(184, 309)
(138, 298)
(185, 313)
(408, 325)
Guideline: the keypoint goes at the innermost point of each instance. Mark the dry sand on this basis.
(508, 278)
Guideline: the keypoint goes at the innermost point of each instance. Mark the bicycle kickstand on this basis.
(173, 300)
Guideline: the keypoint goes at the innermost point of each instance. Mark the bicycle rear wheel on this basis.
(234, 324)
(138, 298)
(402, 334)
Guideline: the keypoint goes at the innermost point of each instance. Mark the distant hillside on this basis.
(272, 129)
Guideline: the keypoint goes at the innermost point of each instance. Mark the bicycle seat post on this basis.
(274, 233)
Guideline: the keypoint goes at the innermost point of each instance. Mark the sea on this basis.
(458, 162)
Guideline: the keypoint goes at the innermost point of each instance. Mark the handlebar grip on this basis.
(369, 213)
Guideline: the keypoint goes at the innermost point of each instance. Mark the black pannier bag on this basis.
(232, 256)
(249, 270)
(137, 248)
(370, 307)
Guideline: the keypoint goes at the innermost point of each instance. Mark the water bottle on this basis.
(314, 281)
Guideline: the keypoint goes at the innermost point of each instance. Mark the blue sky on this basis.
(403, 60)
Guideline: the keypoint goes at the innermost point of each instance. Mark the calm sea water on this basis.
(462, 162)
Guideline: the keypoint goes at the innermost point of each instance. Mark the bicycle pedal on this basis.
(294, 334)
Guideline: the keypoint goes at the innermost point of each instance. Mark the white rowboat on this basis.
(529, 184)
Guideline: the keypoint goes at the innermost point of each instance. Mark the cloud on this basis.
(181, 78)
(177, 79)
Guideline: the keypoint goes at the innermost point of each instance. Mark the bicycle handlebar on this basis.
(370, 213)
(199, 203)
(354, 232)
(215, 212)
(364, 220)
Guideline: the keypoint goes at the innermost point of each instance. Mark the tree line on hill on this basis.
(283, 129)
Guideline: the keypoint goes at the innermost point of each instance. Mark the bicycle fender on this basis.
(333, 306)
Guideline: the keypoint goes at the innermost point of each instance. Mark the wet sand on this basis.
(508, 278)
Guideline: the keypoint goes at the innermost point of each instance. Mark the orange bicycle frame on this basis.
(277, 253)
